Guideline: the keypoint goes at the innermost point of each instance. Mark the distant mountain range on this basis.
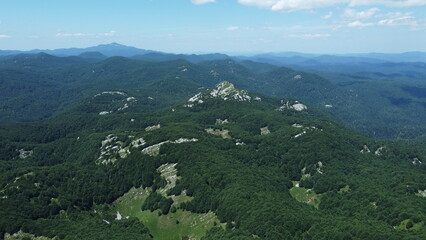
(109, 50)
(280, 58)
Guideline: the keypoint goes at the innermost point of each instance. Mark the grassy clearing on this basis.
(307, 196)
(345, 189)
(408, 224)
(130, 203)
(173, 226)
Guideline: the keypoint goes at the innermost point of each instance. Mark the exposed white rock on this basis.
(421, 193)
(300, 134)
(319, 166)
(365, 149)
(298, 76)
(296, 105)
(297, 125)
(222, 133)
(131, 99)
(224, 90)
(110, 148)
(221, 122)
(299, 107)
(416, 161)
(153, 127)
(118, 217)
(123, 152)
(169, 172)
(132, 120)
(185, 140)
(106, 221)
(264, 131)
(138, 142)
(23, 235)
(104, 113)
(154, 150)
(123, 107)
(108, 139)
(150, 98)
(239, 143)
(111, 93)
(195, 98)
(328, 106)
(23, 154)
(258, 99)
(379, 151)
(227, 90)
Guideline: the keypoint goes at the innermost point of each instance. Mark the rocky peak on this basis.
(223, 90)
(227, 90)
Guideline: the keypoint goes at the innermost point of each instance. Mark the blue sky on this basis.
(228, 26)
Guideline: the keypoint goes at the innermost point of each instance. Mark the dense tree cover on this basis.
(70, 225)
(156, 201)
(381, 105)
(56, 190)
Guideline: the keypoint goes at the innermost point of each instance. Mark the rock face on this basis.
(218, 132)
(154, 150)
(292, 105)
(223, 90)
(23, 154)
(152, 128)
(226, 90)
(112, 150)
(365, 149)
(264, 131)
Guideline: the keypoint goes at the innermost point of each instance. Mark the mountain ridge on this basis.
(116, 49)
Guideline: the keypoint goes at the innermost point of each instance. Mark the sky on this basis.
(226, 26)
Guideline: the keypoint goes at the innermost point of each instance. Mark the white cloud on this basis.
(232, 28)
(71, 35)
(4, 36)
(110, 33)
(398, 19)
(359, 24)
(388, 3)
(290, 5)
(350, 13)
(200, 2)
(310, 36)
(273, 28)
(294, 5)
(329, 15)
(98, 35)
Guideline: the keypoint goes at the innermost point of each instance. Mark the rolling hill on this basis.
(223, 163)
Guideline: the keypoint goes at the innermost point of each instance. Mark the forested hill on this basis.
(36, 87)
(224, 163)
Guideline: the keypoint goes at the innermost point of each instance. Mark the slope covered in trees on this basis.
(36, 87)
(237, 154)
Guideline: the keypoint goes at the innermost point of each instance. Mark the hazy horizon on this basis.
(237, 27)
(213, 52)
